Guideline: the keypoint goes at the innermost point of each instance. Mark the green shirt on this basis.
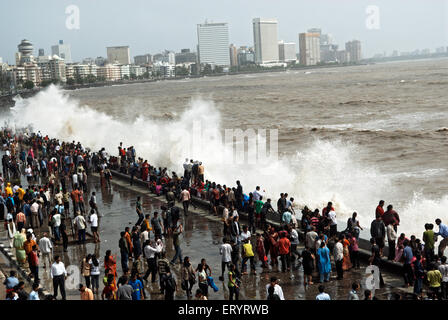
(258, 206)
(231, 283)
(428, 239)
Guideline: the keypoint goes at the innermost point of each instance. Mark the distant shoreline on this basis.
(7, 100)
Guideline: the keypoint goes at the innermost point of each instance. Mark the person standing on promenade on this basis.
(391, 238)
(58, 274)
(443, 232)
(226, 252)
(94, 225)
(185, 198)
(324, 262)
(379, 209)
(338, 257)
(139, 210)
(408, 273)
(443, 268)
(391, 216)
(378, 232)
(429, 239)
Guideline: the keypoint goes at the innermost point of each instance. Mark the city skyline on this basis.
(400, 25)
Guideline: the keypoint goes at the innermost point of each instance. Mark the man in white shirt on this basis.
(150, 251)
(75, 180)
(339, 256)
(80, 224)
(226, 252)
(333, 223)
(257, 194)
(322, 295)
(245, 234)
(277, 289)
(58, 274)
(391, 238)
(46, 248)
(34, 208)
(310, 239)
(94, 225)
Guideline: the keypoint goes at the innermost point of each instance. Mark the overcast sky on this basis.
(149, 26)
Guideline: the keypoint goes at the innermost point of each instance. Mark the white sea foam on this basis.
(324, 171)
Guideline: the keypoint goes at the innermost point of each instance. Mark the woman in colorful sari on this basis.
(19, 240)
(110, 262)
(145, 170)
(400, 247)
(346, 263)
(324, 263)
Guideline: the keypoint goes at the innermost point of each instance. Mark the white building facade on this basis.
(213, 43)
(265, 40)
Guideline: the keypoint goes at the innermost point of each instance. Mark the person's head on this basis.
(147, 216)
(406, 243)
(321, 289)
(134, 276)
(199, 293)
(225, 240)
(274, 280)
(381, 204)
(187, 261)
(322, 244)
(35, 286)
(443, 259)
(367, 295)
(57, 259)
(390, 207)
(12, 273)
(122, 234)
(354, 215)
(438, 221)
(355, 286)
(126, 230)
(82, 287)
(138, 198)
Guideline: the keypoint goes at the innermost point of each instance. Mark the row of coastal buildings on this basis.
(213, 51)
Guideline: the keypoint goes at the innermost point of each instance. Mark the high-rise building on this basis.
(109, 72)
(265, 40)
(119, 55)
(63, 51)
(309, 44)
(185, 56)
(100, 61)
(213, 43)
(41, 52)
(354, 48)
(143, 60)
(287, 51)
(25, 54)
(233, 52)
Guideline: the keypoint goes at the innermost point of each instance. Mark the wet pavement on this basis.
(201, 239)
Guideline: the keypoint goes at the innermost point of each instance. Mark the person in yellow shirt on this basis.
(8, 189)
(434, 279)
(21, 193)
(248, 254)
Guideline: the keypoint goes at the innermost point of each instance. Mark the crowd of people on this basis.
(57, 176)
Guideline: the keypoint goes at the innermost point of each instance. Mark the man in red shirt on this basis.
(379, 209)
(283, 249)
(327, 209)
